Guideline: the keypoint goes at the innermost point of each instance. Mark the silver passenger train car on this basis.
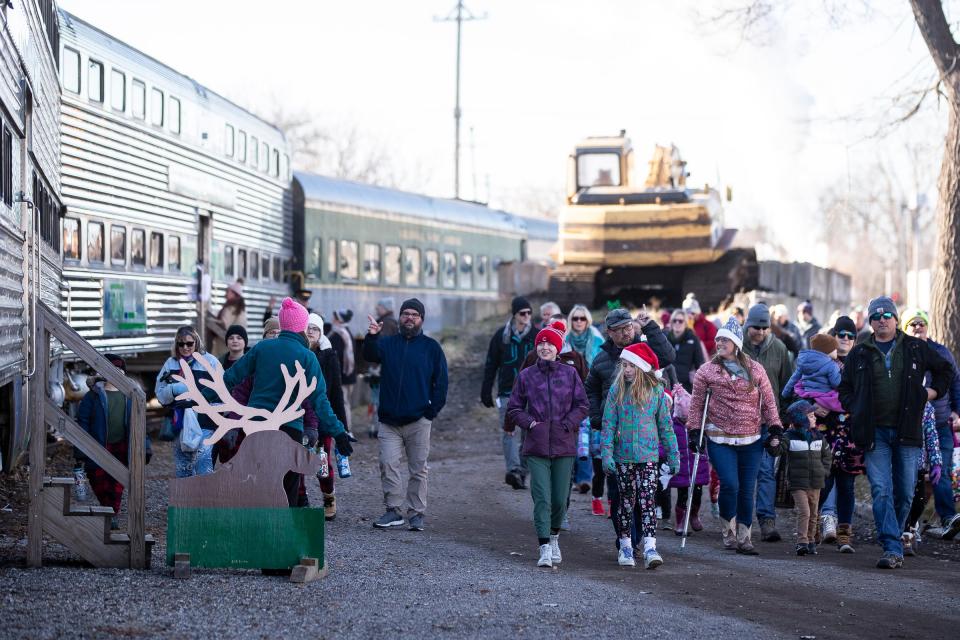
(29, 200)
(172, 193)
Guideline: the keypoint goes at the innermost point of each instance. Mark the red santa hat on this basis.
(552, 334)
(641, 356)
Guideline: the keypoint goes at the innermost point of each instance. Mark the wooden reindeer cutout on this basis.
(265, 420)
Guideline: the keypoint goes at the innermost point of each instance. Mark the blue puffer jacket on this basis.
(413, 378)
(951, 402)
(820, 373)
(92, 417)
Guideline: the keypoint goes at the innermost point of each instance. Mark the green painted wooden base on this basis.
(260, 538)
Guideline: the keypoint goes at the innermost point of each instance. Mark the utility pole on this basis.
(459, 14)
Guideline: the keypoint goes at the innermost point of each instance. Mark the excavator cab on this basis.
(599, 163)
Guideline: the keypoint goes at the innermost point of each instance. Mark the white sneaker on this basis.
(546, 556)
(555, 556)
(625, 556)
(828, 527)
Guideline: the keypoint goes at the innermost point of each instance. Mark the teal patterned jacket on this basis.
(633, 434)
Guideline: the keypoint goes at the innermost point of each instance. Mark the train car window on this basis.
(287, 264)
(392, 267)
(275, 163)
(138, 245)
(285, 166)
(264, 156)
(277, 270)
(254, 265)
(138, 99)
(466, 271)
(118, 90)
(71, 239)
(156, 250)
(411, 266)
(228, 261)
(371, 262)
(494, 276)
(118, 245)
(156, 107)
(241, 263)
(332, 259)
(265, 267)
(448, 271)
(71, 70)
(173, 121)
(254, 146)
(95, 80)
(242, 146)
(431, 268)
(228, 141)
(173, 253)
(314, 267)
(95, 242)
(483, 267)
(7, 178)
(349, 260)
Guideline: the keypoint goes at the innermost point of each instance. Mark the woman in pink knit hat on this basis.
(263, 362)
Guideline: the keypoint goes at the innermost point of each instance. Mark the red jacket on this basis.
(707, 332)
(734, 408)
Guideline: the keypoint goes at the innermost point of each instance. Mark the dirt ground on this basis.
(472, 573)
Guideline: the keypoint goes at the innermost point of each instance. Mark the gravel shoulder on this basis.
(472, 573)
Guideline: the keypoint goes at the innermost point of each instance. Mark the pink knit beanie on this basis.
(293, 316)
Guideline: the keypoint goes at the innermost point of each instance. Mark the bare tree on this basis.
(755, 17)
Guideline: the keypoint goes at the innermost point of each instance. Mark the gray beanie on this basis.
(882, 304)
(386, 303)
(758, 316)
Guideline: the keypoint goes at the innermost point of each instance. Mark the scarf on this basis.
(735, 369)
(509, 331)
(579, 342)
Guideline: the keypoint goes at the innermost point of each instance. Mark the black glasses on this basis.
(525, 312)
(678, 321)
(409, 314)
(917, 324)
(185, 344)
(579, 319)
(878, 316)
(849, 335)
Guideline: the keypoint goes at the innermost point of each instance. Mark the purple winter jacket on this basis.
(682, 479)
(551, 394)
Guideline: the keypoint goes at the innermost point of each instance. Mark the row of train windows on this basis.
(260, 156)
(160, 111)
(6, 165)
(48, 211)
(142, 254)
(253, 265)
(395, 265)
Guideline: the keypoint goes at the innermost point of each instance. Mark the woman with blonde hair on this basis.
(637, 421)
(582, 336)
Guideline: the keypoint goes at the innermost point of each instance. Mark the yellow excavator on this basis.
(623, 240)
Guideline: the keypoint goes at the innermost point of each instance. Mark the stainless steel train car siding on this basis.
(361, 243)
(29, 198)
(161, 175)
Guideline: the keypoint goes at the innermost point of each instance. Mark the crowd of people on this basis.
(761, 410)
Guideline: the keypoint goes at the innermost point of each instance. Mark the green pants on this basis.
(549, 488)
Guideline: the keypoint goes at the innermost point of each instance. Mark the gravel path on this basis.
(472, 573)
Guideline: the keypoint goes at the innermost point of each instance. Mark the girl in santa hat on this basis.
(636, 422)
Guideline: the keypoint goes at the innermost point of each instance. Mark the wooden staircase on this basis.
(85, 530)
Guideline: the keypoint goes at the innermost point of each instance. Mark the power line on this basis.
(459, 14)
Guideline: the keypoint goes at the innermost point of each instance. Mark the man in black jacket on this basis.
(508, 348)
(622, 331)
(882, 387)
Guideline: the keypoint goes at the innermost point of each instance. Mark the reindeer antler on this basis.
(282, 414)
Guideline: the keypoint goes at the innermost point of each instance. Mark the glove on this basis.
(675, 469)
(934, 475)
(487, 400)
(609, 467)
(343, 445)
(693, 441)
(177, 388)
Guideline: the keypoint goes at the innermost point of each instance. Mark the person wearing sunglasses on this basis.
(883, 386)
(916, 323)
(690, 351)
(582, 336)
(188, 346)
(508, 349)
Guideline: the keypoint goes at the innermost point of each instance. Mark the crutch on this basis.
(693, 471)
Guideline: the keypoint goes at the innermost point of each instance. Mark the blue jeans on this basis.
(737, 468)
(943, 492)
(512, 444)
(839, 484)
(766, 484)
(195, 463)
(892, 471)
